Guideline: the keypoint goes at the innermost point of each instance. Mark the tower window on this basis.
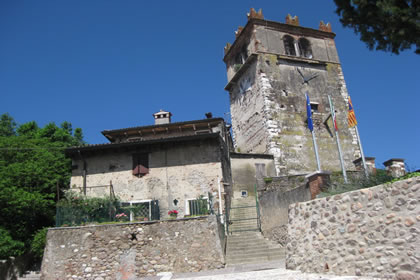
(302, 47)
(314, 107)
(289, 45)
(305, 48)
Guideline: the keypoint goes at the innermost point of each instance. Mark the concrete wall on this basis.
(176, 172)
(130, 251)
(370, 232)
(244, 171)
(275, 199)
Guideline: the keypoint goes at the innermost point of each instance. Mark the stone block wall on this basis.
(370, 232)
(274, 204)
(130, 251)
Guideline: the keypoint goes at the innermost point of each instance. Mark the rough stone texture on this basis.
(370, 232)
(277, 274)
(177, 171)
(244, 171)
(267, 97)
(274, 204)
(370, 165)
(129, 251)
(317, 182)
(395, 167)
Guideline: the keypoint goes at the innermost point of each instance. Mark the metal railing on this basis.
(258, 209)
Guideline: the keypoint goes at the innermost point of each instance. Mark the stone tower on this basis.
(270, 66)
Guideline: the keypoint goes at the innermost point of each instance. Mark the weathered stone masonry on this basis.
(129, 251)
(370, 232)
(267, 96)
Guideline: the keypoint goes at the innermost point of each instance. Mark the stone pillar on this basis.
(318, 181)
(395, 167)
(370, 164)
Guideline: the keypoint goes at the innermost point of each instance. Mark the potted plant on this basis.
(173, 214)
(122, 217)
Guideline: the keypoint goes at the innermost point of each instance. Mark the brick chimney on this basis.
(370, 164)
(395, 167)
(162, 117)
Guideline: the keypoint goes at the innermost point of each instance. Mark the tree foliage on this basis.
(387, 25)
(32, 165)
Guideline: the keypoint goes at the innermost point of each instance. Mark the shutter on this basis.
(143, 164)
(140, 164)
(136, 169)
(155, 210)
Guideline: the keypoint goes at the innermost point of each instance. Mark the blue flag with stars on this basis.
(309, 113)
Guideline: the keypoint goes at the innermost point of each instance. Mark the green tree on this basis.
(32, 165)
(7, 125)
(387, 25)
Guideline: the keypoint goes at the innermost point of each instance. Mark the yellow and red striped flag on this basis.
(351, 116)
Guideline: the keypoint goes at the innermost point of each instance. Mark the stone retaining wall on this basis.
(274, 204)
(369, 232)
(129, 251)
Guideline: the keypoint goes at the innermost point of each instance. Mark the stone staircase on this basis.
(243, 215)
(32, 275)
(245, 243)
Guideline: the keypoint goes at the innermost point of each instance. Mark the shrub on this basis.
(355, 182)
(38, 242)
(8, 246)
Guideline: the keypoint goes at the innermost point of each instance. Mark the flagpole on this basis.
(343, 169)
(311, 128)
(316, 151)
(361, 152)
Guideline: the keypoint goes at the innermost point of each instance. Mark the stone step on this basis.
(250, 246)
(31, 275)
(243, 206)
(246, 251)
(243, 210)
(246, 220)
(246, 244)
(268, 255)
(257, 246)
(242, 214)
(244, 223)
(244, 227)
(250, 229)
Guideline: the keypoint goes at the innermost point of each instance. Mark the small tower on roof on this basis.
(270, 66)
(162, 117)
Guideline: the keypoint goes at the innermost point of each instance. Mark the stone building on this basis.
(165, 164)
(270, 67)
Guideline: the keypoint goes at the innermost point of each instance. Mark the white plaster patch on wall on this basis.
(162, 183)
(247, 116)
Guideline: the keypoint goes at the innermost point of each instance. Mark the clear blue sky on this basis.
(112, 64)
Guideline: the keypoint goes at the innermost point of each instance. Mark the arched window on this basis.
(289, 45)
(305, 48)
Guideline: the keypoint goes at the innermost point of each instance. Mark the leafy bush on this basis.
(356, 181)
(77, 209)
(38, 242)
(8, 246)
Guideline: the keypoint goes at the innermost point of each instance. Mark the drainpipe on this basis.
(84, 172)
(220, 200)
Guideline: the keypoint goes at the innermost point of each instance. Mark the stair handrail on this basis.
(258, 209)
